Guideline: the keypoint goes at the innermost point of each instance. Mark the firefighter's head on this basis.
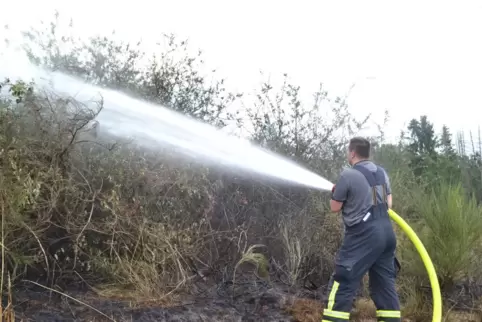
(358, 150)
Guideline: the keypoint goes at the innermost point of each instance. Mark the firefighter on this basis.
(363, 195)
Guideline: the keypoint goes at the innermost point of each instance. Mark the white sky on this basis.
(420, 57)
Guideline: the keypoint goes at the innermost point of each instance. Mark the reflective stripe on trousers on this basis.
(329, 314)
(367, 247)
(388, 316)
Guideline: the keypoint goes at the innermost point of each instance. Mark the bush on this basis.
(452, 232)
(122, 217)
(448, 223)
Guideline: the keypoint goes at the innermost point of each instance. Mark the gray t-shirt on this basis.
(355, 192)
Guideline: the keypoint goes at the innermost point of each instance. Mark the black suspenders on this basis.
(374, 179)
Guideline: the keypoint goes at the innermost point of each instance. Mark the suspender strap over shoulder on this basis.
(374, 179)
(384, 189)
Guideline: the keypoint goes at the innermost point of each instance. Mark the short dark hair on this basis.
(360, 146)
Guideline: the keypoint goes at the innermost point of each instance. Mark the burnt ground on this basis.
(252, 301)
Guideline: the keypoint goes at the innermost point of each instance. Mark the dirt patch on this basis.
(267, 305)
(249, 302)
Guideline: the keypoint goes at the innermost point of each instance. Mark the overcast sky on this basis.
(409, 57)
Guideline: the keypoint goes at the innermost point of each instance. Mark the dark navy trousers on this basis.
(368, 246)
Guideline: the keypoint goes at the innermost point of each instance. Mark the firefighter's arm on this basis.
(339, 194)
(335, 205)
(389, 190)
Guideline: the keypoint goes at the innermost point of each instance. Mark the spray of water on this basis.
(124, 116)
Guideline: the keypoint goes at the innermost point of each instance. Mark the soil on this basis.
(215, 304)
(252, 301)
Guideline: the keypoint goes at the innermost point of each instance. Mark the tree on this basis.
(423, 140)
(446, 142)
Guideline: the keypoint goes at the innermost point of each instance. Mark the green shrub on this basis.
(450, 229)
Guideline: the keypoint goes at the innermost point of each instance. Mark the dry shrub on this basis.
(153, 242)
(121, 217)
(83, 207)
(309, 243)
(39, 194)
(73, 208)
(133, 218)
(7, 313)
(305, 310)
(365, 310)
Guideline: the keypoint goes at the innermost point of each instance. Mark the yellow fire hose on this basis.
(432, 275)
